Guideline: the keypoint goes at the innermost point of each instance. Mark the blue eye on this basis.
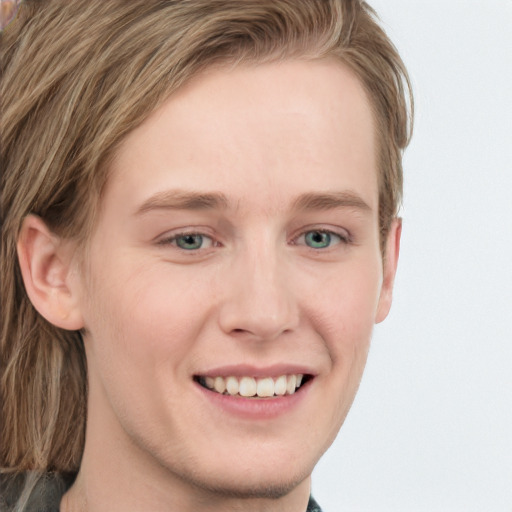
(194, 243)
(190, 242)
(318, 239)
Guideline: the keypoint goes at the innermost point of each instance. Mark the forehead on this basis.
(261, 133)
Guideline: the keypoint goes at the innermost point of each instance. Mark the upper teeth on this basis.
(249, 386)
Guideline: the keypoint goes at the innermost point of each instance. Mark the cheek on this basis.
(345, 321)
(145, 315)
(141, 328)
(345, 307)
(343, 315)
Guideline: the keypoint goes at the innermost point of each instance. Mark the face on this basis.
(237, 247)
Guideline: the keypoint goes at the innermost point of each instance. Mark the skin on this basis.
(8, 10)
(255, 293)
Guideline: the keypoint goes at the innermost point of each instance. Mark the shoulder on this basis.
(43, 492)
(34, 491)
(313, 506)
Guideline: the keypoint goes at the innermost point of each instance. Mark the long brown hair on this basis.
(76, 77)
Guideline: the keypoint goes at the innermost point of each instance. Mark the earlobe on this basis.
(46, 267)
(389, 271)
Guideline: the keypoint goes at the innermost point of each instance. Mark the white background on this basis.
(431, 427)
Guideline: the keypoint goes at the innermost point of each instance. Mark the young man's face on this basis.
(238, 245)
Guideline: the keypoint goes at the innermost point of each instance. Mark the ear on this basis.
(46, 263)
(389, 272)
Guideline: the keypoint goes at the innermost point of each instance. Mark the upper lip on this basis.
(245, 370)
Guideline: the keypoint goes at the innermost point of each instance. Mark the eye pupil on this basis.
(318, 239)
(189, 242)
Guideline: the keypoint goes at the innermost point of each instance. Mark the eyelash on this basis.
(343, 239)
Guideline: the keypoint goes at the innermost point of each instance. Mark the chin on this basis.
(248, 487)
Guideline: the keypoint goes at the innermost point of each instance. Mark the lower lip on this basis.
(256, 408)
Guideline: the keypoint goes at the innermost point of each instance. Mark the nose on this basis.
(259, 302)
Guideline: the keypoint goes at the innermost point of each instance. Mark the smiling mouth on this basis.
(250, 387)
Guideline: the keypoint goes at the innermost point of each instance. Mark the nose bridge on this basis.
(259, 300)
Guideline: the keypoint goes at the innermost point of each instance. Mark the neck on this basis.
(117, 474)
(102, 493)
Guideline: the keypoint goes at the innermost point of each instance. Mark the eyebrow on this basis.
(330, 201)
(181, 200)
(185, 200)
